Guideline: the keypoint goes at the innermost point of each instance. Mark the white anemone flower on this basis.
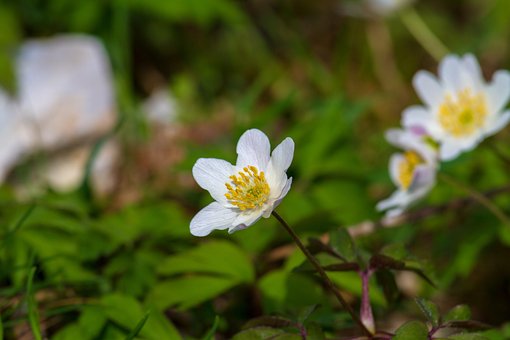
(461, 109)
(244, 192)
(413, 171)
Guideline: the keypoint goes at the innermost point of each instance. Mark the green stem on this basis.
(322, 273)
(480, 198)
(422, 33)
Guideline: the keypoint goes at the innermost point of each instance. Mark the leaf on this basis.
(342, 267)
(138, 327)
(315, 246)
(315, 332)
(458, 313)
(33, 315)
(380, 261)
(306, 312)
(189, 291)
(210, 334)
(467, 336)
(127, 311)
(219, 258)
(341, 242)
(269, 321)
(386, 280)
(412, 330)
(259, 333)
(470, 325)
(430, 310)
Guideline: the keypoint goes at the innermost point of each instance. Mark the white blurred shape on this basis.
(160, 107)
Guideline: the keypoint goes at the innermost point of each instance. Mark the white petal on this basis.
(428, 88)
(498, 123)
(398, 198)
(281, 158)
(392, 213)
(416, 116)
(498, 91)
(449, 151)
(244, 220)
(395, 160)
(394, 137)
(450, 73)
(214, 216)
(424, 178)
(284, 193)
(212, 174)
(253, 149)
(471, 65)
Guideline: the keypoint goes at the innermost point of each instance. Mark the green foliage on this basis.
(412, 330)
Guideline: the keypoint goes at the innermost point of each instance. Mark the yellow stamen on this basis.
(406, 168)
(462, 115)
(248, 189)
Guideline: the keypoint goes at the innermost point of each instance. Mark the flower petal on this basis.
(416, 116)
(498, 91)
(428, 88)
(253, 149)
(281, 158)
(450, 150)
(244, 220)
(394, 165)
(498, 123)
(450, 72)
(211, 174)
(471, 65)
(398, 198)
(284, 193)
(214, 216)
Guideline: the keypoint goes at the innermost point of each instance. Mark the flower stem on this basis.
(422, 33)
(323, 274)
(480, 198)
(366, 309)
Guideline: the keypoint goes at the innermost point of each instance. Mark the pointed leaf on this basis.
(421, 274)
(212, 331)
(412, 330)
(458, 313)
(269, 321)
(342, 243)
(138, 327)
(306, 312)
(380, 261)
(386, 280)
(430, 310)
(315, 246)
(469, 325)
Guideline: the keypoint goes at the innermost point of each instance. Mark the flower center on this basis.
(248, 189)
(406, 168)
(464, 114)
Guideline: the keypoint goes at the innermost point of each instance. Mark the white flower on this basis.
(387, 7)
(413, 172)
(244, 192)
(461, 109)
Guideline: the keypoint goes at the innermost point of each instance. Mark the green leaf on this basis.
(219, 258)
(212, 331)
(342, 243)
(269, 321)
(259, 333)
(430, 310)
(315, 332)
(306, 312)
(33, 315)
(467, 336)
(412, 330)
(386, 280)
(128, 312)
(138, 327)
(189, 291)
(458, 313)
(469, 325)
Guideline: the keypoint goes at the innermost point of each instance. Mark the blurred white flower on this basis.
(386, 7)
(413, 172)
(244, 192)
(160, 107)
(461, 109)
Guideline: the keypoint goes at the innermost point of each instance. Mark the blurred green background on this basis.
(333, 82)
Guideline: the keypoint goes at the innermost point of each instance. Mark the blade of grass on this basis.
(138, 327)
(33, 317)
(212, 331)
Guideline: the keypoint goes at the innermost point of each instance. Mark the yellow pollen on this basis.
(248, 189)
(406, 168)
(464, 114)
